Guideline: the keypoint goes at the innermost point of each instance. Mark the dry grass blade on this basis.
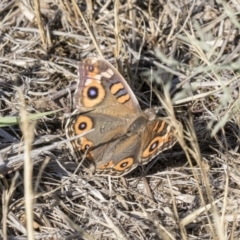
(88, 28)
(117, 231)
(40, 24)
(193, 215)
(117, 29)
(28, 136)
(161, 231)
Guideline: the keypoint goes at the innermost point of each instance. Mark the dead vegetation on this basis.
(184, 50)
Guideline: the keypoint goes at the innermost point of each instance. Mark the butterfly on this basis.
(124, 136)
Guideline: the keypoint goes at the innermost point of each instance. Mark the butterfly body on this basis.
(124, 136)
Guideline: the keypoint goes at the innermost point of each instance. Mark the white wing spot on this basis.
(88, 81)
(106, 75)
(94, 60)
(110, 71)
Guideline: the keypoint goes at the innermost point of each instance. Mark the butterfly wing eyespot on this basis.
(93, 93)
(90, 67)
(119, 169)
(162, 139)
(124, 164)
(82, 124)
(86, 145)
(153, 146)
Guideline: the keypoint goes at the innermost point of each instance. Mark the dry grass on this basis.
(186, 51)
